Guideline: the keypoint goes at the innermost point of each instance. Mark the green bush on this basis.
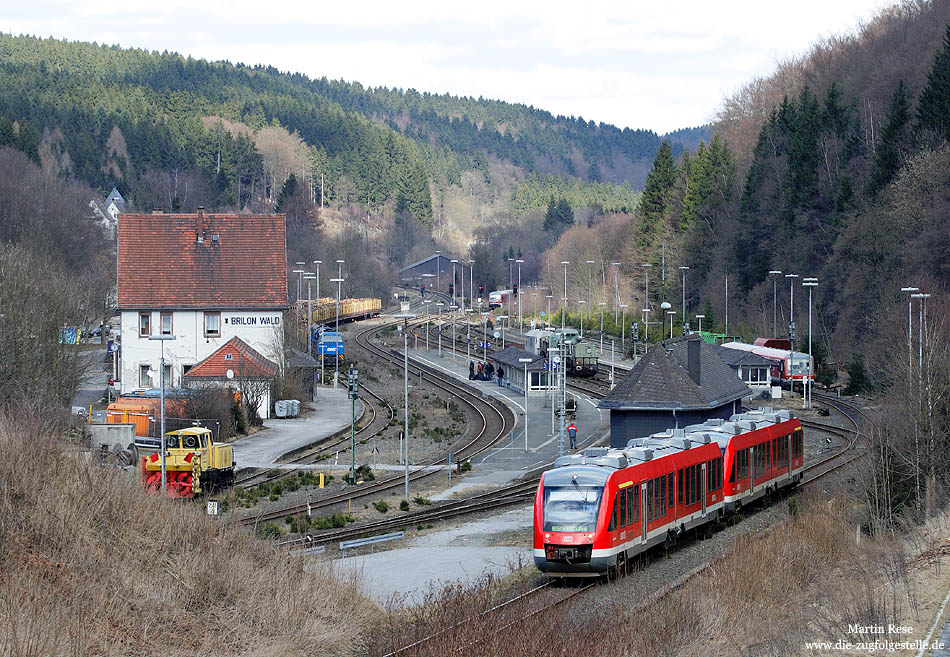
(269, 530)
(466, 466)
(422, 501)
(381, 506)
(404, 505)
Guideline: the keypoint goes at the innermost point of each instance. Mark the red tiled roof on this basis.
(239, 357)
(162, 264)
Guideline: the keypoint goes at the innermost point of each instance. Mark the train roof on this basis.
(664, 443)
(768, 352)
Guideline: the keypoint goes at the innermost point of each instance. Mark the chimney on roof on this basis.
(201, 227)
(157, 211)
(692, 359)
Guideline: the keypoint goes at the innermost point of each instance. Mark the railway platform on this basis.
(509, 460)
(330, 414)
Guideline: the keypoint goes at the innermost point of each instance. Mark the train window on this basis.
(636, 504)
(669, 488)
(171, 442)
(613, 514)
(651, 498)
(734, 472)
(662, 496)
(631, 505)
(622, 503)
(679, 487)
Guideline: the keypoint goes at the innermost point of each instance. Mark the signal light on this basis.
(481, 289)
(514, 289)
(451, 290)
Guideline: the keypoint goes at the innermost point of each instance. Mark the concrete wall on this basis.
(625, 425)
(258, 328)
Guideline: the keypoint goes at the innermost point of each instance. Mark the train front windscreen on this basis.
(571, 508)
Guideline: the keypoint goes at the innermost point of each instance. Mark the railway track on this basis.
(496, 420)
(433, 643)
(379, 412)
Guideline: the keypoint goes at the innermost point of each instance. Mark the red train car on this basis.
(596, 510)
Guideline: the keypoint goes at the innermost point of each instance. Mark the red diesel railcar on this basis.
(596, 510)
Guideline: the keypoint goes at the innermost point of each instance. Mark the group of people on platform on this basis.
(485, 372)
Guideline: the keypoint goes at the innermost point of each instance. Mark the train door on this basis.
(703, 487)
(788, 452)
(643, 512)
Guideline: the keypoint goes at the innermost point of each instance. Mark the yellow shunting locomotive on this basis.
(194, 463)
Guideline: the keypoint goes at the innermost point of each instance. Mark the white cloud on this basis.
(638, 64)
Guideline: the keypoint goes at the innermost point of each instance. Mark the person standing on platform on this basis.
(572, 434)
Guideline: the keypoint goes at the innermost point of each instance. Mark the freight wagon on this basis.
(324, 310)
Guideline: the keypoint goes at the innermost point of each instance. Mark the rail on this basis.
(372, 540)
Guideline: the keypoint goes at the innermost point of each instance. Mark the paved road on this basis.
(332, 413)
(436, 559)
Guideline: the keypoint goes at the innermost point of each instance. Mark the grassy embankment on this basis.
(92, 565)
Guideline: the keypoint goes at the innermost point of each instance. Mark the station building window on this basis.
(212, 325)
(166, 324)
(145, 324)
(145, 380)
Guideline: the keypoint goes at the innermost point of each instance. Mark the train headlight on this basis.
(547, 537)
(590, 538)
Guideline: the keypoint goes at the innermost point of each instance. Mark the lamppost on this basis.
(299, 271)
(549, 297)
(309, 277)
(339, 264)
(602, 304)
(438, 271)
(525, 361)
(671, 313)
(353, 392)
(161, 376)
(665, 307)
(623, 326)
(727, 305)
(581, 303)
(406, 316)
(534, 306)
(589, 304)
(774, 272)
(520, 315)
(471, 284)
(339, 283)
(683, 269)
(616, 266)
(564, 298)
(426, 304)
(440, 304)
(646, 302)
(910, 341)
(700, 319)
(454, 286)
(453, 308)
(810, 283)
(791, 330)
(316, 268)
(501, 320)
(510, 286)
(921, 319)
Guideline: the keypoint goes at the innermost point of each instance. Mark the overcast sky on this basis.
(635, 64)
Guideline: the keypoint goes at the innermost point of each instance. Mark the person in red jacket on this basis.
(572, 434)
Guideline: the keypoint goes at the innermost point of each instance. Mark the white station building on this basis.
(201, 279)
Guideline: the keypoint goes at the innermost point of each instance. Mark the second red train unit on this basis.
(596, 510)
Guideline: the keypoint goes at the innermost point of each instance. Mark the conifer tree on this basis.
(656, 194)
(891, 147)
(933, 112)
